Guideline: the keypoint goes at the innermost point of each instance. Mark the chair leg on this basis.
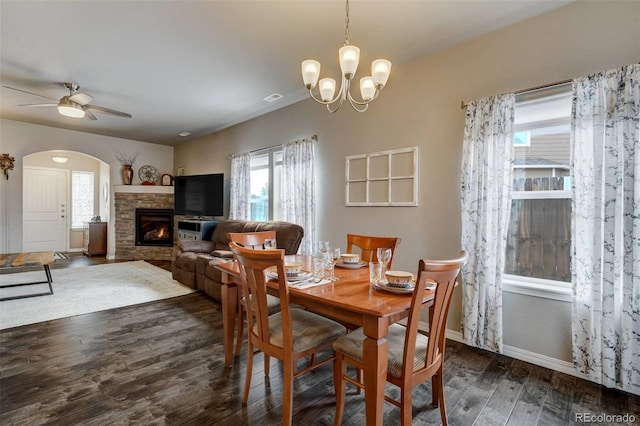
(247, 379)
(339, 370)
(267, 364)
(406, 416)
(287, 394)
(359, 379)
(437, 386)
(240, 330)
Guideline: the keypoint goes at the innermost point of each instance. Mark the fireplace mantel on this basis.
(143, 189)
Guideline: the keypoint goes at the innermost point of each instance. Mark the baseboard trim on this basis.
(530, 357)
(535, 358)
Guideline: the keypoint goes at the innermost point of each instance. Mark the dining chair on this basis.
(369, 245)
(412, 357)
(288, 335)
(253, 240)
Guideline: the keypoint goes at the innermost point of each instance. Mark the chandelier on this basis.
(349, 57)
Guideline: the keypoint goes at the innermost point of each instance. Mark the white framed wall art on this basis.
(385, 178)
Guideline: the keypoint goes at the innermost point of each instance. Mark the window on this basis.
(81, 198)
(266, 175)
(539, 239)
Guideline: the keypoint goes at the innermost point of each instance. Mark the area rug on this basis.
(85, 289)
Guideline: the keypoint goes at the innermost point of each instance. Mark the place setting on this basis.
(350, 261)
(398, 282)
(299, 278)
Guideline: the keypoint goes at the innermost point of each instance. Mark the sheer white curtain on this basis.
(240, 188)
(486, 203)
(605, 167)
(298, 188)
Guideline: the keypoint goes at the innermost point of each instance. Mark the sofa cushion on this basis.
(186, 261)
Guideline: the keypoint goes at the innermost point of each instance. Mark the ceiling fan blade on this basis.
(30, 93)
(89, 115)
(38, 105)
(80, 98)
(104, 110)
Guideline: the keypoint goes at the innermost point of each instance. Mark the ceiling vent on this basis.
(272, 98)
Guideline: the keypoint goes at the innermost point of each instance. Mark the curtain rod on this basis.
(314, 137)
(463, 104)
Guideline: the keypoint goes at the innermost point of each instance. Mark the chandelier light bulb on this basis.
(349, 57)
(380, 69)
(310, 73)
(367, 88)
(327, 89)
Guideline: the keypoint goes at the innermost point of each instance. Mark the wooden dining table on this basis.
(350, 300)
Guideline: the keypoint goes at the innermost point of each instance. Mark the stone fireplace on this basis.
(129, 200)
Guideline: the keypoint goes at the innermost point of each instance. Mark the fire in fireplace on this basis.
(154, 227)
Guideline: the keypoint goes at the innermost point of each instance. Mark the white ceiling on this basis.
(202, 66)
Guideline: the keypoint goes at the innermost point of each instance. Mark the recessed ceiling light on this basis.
(272, 98)
(183, 134)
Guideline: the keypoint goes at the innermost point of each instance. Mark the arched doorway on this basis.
(61, 191)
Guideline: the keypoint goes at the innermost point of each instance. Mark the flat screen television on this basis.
(199, 195)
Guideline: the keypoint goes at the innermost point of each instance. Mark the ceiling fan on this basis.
(75, 104)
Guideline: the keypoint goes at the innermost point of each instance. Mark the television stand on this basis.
(196, 229)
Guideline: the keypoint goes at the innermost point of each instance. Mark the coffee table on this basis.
(14, 260)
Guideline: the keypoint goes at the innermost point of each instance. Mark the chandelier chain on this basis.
(346, 24)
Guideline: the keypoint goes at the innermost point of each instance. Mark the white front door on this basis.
(44, 209)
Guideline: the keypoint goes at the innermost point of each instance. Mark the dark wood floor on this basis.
(162, 363)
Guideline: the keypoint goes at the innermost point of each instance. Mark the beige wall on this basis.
(421, 107)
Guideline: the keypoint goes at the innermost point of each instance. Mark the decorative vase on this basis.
(127, 174)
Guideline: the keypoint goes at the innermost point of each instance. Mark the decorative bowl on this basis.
(399, 279)
(292, 269)
(350, 258)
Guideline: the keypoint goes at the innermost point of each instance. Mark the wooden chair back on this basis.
(253, 273)
(254, 240)
(444, 274)
(369, 245)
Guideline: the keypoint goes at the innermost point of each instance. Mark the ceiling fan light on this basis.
(70, 109)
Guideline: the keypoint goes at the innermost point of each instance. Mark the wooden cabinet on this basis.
(94, 239)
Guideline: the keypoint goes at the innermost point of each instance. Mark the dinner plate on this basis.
(303, 275)
(351, 265)
(383, 285)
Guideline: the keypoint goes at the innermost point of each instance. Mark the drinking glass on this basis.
(384, 256)
(318, 268)
(332, 257)
(323, 246)
(375, 272)
(270, 243)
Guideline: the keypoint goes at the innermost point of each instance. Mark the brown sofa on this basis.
(193, 262)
